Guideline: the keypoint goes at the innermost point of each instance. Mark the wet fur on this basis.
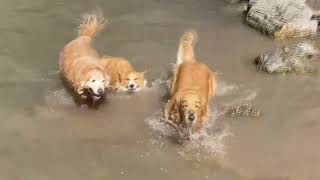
(78, 58)
(191, 79)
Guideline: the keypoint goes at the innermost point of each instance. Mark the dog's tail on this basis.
(91, 24)
(186, 47)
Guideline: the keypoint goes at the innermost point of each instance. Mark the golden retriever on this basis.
(80, 63)
(193, 86)
(123, 76)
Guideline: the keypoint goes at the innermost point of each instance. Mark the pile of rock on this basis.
(283, 19)
(296, 58)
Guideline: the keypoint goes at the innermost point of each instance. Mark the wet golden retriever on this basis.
(123, 76)
(192, 87)
(80, 63)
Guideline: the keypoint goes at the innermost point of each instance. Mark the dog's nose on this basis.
(100, 91)
(131, 85)
(191, 112)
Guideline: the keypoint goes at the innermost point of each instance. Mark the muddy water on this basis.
(44, 136)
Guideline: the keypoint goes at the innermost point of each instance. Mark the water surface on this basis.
(43, 135)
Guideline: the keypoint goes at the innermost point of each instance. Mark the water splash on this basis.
(209, 143)
(224, 88)
(59, 99)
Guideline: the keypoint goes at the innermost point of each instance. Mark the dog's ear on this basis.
(204, 106)
(204, 116)
(118, 77)
(172, 109)
(141, 74)
(144, 72)
(80, 87)
(107, 81)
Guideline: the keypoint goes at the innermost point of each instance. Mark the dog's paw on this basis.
(84, 106)
(84, 96)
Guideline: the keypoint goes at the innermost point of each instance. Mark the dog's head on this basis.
(189, 110)
(133, 81)
(96, 82)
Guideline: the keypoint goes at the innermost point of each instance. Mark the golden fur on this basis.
(80, 62)
(122, 74)
(192, 87)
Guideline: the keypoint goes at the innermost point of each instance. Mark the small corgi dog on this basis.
(123, 76)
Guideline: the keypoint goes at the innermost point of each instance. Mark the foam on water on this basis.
(59, 98)
(208, 143)
(224, 88)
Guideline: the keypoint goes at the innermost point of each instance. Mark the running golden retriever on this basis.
(123, 76)
(193, 86)
(80, 63)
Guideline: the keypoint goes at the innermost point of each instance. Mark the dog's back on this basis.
(116, 65)
(191, 74)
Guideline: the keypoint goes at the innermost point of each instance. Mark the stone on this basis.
(244, 110)
(282, 19)
(295, 58)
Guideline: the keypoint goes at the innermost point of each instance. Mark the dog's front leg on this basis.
(170, 110)
(113, 87)
(173, 82)
(166, 114)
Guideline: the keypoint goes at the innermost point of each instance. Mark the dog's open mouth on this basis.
(96, 96)
(133, 89)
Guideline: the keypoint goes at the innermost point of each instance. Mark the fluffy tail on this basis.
(91, 24)
(186, 47)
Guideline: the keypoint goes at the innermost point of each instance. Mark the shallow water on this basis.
(43, 135)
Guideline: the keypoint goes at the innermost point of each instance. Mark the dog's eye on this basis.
(197, 106)
(127, 79)
(136, 79)
(103, 81)
(93, 80)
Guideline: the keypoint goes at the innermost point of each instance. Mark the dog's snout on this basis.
(191, 112)
(100, 91)
(131, 85)
(191, 115)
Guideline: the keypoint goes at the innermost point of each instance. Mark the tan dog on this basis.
(123, 76)
(192, 87)
(80, 63)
